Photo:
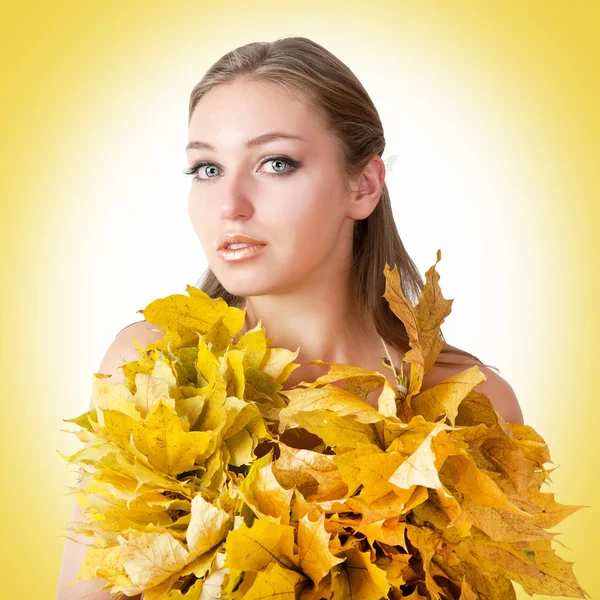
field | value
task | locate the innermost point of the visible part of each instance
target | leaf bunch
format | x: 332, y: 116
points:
x: 203, y: 478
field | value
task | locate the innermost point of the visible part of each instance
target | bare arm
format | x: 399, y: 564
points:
x: 122, y: 350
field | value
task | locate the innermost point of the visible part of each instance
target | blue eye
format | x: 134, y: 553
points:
x: 290, y: 162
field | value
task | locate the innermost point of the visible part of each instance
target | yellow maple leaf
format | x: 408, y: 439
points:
x: 358, y: 577
x: 314, y: 554
x: 167, y: 445
x: 150, y: 558
x: 255, y: 548
x: 208, y: 525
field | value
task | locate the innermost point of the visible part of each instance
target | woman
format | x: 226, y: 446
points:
x: 317, y: 203
x: 285, y: 148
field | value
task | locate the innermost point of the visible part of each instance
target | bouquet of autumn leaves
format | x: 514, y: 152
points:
x: 202, y: 478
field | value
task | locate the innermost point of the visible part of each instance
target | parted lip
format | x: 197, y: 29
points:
x: 236, y: 238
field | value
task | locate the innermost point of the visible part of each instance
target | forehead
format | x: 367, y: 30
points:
x: 232, y: 113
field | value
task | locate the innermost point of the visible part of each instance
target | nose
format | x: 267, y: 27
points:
x: 236, y: 197
x: 235, y: 207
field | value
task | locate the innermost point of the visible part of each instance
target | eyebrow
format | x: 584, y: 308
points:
x: 251, y: 143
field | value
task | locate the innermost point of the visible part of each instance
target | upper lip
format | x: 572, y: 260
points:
x: 236, y: 238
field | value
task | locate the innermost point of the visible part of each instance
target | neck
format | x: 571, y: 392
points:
x: 319, y: 321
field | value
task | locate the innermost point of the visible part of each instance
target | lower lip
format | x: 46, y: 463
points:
x: 241, y: 253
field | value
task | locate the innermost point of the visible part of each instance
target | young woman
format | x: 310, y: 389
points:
x: 285, y: 153
x: 285, y: 148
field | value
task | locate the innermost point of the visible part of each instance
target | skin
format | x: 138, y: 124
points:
x: 299, y: 284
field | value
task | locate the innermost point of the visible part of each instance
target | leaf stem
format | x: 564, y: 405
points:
x: 389, y: 358
x: 400, y: 380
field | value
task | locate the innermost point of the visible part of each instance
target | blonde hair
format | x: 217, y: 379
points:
x: 307, y: 71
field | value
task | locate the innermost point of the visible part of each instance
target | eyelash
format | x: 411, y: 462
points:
x: 193, y: 170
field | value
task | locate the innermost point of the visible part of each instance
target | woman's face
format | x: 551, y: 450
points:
x: 300, y: 211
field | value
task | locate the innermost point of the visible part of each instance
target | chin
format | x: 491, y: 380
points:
x: 237, y: 287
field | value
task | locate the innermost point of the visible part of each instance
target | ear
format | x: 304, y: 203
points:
x: 368, y: 190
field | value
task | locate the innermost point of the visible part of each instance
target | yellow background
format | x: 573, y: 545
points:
x: 94, y: 222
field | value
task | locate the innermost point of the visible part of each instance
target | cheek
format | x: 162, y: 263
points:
x: 200, y: 222
x: 308, y: 225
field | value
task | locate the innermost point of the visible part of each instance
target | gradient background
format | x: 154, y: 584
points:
x: 492, y: 124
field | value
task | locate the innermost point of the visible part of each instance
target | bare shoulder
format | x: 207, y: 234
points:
x: 122, y: 349
x: 496, y: 388
x: 143, y: 328
x: 142, y: 331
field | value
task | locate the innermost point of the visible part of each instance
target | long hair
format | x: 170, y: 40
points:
x: 307, y: 71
